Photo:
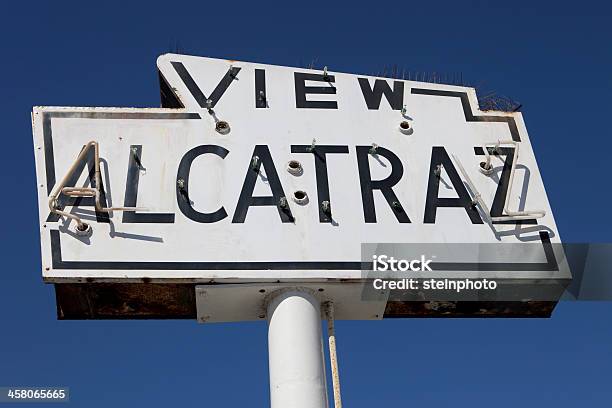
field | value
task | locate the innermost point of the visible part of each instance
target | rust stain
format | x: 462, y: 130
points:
x: 469, y: 309
x: 177, y: 301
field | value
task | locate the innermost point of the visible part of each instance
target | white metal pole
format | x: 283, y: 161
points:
x: 295, y: 351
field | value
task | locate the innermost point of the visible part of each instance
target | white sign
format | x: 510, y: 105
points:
x: 276, y: 173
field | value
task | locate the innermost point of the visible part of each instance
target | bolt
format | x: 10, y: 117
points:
x: 262, y: 96
x: 209, y: 104
x: 438, y: 170
x: 373, y: 149
x: 312, y: 145
x: 396, y: 206
x: 282, y: 203
x: 136, y: 158
x: 180, y: 183
x: 474, y: 201
x: 404, y: 110
x: 326, y: 207
x: 255, y: 163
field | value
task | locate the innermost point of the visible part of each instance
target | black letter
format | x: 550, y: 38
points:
x: 195, y: 90
x: 497, y: 208
x: 65, y: 201
x: 439, y: 157
x: 131, y: 193
x: 246, y: 195
x: 301, y: 90
x: 182, y: 184
x: 373, y: 97
x: 321, y: 173
x: 385, y: 186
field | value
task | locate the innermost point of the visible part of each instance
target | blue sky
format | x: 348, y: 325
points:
x: 553, y: 57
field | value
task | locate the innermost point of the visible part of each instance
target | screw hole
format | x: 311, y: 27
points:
x: 300, y: 197
x: 294, y: 167
x: 486, y: 170
x: 405, y: 127
x: 222, y: 127
x: 83, y: 230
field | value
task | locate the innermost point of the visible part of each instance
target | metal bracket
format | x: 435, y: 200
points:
x: 248, y: 301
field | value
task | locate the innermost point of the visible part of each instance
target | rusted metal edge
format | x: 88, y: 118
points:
x: 541, y: 309
x: 76, y: 301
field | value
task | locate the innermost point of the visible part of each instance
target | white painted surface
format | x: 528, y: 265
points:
x: 436, y: 121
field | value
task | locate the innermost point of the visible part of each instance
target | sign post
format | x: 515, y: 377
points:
x: 295, y: 350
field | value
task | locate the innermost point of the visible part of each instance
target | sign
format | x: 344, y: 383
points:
x: 269, y: 173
